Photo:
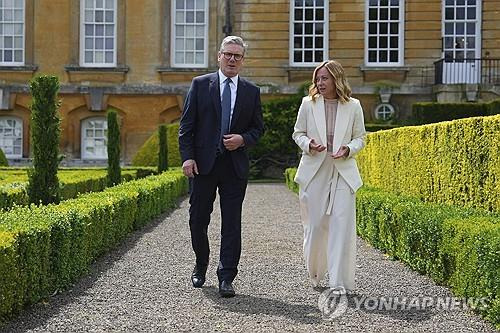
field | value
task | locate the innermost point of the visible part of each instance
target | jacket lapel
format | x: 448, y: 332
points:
x: 238, y: 103
x: 213, y: 91
x: 319, y: 118
x: 341, y: 124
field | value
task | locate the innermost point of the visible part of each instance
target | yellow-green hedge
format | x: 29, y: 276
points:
x: 147, y: 155
x: 72, y: 183
x: 455, y: 162
x: 45, y: 248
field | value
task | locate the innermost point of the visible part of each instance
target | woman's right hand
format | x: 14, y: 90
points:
x: 316, y: 147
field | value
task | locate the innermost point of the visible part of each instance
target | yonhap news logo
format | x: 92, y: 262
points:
x: 332, y: 305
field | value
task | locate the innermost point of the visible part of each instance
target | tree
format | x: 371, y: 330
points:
x: 114, y: 170
x: 43, y: 186
x: 3, y: 159
x: 163, y: 149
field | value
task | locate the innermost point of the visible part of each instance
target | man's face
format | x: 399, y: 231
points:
x: 231, y: 67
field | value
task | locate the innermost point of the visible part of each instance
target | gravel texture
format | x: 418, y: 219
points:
x: 144, y: 285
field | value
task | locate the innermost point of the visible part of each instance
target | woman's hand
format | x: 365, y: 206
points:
x: 316, y: 147
x: 343, y: 152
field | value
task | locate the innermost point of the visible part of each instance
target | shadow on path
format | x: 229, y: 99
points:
x: 253, y: 305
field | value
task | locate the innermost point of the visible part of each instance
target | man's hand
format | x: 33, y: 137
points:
x: 343, y: 152
x: 232, y: 141
x: 189, y: 168
x: 314, y: 146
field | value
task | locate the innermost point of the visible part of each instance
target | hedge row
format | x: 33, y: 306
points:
x: 44, y: 249
x: 433, y: 112
x: 147, y: 155
x: 457, y: 247
x: 72, y: 183
x: 455, y: 162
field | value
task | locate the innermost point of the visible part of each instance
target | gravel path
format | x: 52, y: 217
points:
x: 144, y: 286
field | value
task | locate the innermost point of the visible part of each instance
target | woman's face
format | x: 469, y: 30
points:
x: 325, y: 83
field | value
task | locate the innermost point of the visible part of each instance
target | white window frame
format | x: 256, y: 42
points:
x: 401, y: 38
x: 17, y: 121
x: 83, y: 63
x: 326, y: 15
x: 384, y: 105
x: 477, y: 33
x: 13, y: 36
x: 173, y: 30
x: 83, y: 128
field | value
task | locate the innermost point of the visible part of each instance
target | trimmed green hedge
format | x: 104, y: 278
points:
x: 147, y: 155
x: 455, y: 246
x: 379, y: 127
x: 433, y: 112
x: 455, y: 162
x: 44, y: 249
x: 72, y: 183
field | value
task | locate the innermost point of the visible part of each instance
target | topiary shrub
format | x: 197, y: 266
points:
x: 3, y: 159
x: 163, y: 149
x: 147, y: 155
x: 43, y: 185
x: 114, y: 170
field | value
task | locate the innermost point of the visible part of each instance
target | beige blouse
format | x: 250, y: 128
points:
x: 331, y: 117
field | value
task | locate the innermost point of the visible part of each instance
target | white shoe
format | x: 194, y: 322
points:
x: 314, y: 282
x: 338, y: 290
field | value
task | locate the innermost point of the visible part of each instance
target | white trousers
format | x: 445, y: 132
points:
x: 328, y: 211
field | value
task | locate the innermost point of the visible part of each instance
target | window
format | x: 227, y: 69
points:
x: 384, y: 111
x: 461, y: 29
x: 309, y: 32
x: 384, y: 32
x: 98, y: 33
x: 95, y: 138
x: 12, y: 32
x: 189, y: 33
x: 11, y: 137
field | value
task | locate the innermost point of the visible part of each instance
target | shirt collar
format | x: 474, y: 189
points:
x: 222, y: 78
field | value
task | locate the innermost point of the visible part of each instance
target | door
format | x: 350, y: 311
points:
x: 461, y: 41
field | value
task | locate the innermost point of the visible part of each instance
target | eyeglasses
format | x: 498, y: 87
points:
x: 229, y: 55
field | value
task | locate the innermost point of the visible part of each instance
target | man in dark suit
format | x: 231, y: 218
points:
x: 222, y: 117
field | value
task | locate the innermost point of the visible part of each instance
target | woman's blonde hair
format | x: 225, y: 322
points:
x: 341, y: 85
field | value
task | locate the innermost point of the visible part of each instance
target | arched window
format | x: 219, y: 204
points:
x: 384, y: 111
x: 11, y: 136
x: 95, y: 138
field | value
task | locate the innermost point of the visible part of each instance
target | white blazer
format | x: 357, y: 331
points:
x: 349, y: 131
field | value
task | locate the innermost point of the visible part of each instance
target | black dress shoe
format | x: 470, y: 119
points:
x: 226, y: 289
x: 198, y: 276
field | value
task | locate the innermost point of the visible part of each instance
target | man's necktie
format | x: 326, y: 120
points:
x: 226, y: 110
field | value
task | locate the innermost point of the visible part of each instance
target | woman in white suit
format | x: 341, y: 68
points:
x: 330, y: 131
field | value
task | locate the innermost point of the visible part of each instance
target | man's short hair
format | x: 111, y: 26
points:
x: 233, y: 40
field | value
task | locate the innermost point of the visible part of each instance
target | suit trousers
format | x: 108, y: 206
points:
x: 328, y: 214
x: 231, y: 193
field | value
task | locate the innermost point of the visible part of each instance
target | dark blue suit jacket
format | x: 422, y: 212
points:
x: 199, y: 130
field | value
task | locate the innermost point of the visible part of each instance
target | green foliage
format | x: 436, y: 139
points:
x: 289, y: 179
x: 114, y: 170
x: 46, y: 248
x: 45, y: 133
x: 432, y: 112
x: 73, y: 182
x: 276, y: 149
x: 147, y: 155
x: 163, y: 149
x: 3, y: 159
x: 457, y: 247
x: 454, y: 162
x: 379, y: 127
